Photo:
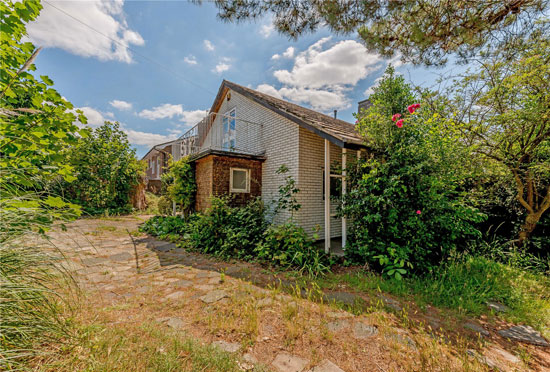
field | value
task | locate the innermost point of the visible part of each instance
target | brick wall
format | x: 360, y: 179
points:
x: 212, y: 174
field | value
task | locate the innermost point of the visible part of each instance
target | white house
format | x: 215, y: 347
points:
x: 248, y: 135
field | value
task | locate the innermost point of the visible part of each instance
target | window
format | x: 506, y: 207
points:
x: 239, y: 180
x: 335, y: 187
x: 229, y: 122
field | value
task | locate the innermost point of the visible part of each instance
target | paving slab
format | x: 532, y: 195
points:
x: 476, y: 328
x: 178, y: 295
x: 497, y: 306
x: 364, y: 331
x: 285, y: 362
x: 182, y: 283
x: 213, y: 296
x: 230, y: 347
x: 326, y: 366
x: 525, y: 334
x: 338, y: 325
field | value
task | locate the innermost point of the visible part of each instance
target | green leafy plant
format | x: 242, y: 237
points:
x: 289, y: 246
x: 180, y: 184
x: 287, y: 193
x: 106, y: 170
x: 405, y: 205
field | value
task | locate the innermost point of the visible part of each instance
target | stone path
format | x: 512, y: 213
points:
x: 185, y: 292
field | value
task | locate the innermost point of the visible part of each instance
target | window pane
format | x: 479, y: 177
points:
x: 239, y: 179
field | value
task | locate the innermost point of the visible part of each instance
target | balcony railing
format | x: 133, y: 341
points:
x: 223, y: 133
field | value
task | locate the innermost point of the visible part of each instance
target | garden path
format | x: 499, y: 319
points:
x: 215, y: 302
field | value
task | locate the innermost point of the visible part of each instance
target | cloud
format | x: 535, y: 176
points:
x: 95, y: 117
x: 339, y: 66
x: 208, y: 45
x: 163, y: 111
x: 323, y: 74
x: 55, y: 29
x: 121, y: 105
x: 222, y: 66
x: 191, y: 60
x: 168, y: 110
x: 289, y: 52
x: 148, y: 139
x: 193, y: 117
x: 269, y: 90
x: 267, y: 30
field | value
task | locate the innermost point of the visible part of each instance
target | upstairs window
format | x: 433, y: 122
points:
x: 239, y: 180
x: 229, y: 130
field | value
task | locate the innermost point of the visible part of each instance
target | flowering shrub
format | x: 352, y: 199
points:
x: 404, y: 203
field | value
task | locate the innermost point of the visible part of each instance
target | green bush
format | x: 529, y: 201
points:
x: 229, y: 231
x: 166, y: 227
x: 165, y: 205
x: 405, y: 205
x: 289, y: 246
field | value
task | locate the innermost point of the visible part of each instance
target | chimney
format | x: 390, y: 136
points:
x: 363, y: 105
x: 335, y: 113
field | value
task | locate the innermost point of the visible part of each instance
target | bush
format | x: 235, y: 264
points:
x: 165, y: 205
x: 106, y: 169
x: 289, y: 246
x: 229, y: 231
x: 169, y: 227
x: 405, y: 204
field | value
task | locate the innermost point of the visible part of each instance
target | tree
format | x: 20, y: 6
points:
x: 36, y: 124
x: 422, y: 31
x: 504, y: 108
x: 181, y: 186
x: 405, y: 203
x: 106, y: 170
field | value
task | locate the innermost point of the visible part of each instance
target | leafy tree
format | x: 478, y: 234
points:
x: 504, y: 108
x: 106, y: 169
x: 182, y: 186
x: 405, y: 205
x: 423, y: 31
x: 36, y: 124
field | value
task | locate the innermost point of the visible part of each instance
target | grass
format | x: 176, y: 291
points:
x: 143, y: 347
x: 465, y: 285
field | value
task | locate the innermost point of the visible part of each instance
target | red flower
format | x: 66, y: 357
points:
x: 399, y: 123
x: 356, y: 121
x: 419, y: 212
x: 413, y: 108
x: 395, y: 117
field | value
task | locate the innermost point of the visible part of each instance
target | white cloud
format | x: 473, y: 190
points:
x: 221, y: 67
x: 208, y: 45
x: 267, y: 30
x: 193, y: 117
x: 55, y: 29
x: 289, y: 52
x: 121, y: 105
x: 269, y: 90
x: 148, y: 139
x: 191, y: 60
x: 339, y: 66
x: 163, y: 111
x: 275, y: 56
x: 95, y: 117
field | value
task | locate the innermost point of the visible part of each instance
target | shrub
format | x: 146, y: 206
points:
x: 169, y: 227
x: 106, y: 169
x: 405, y: 205
x: 180, y: 184
x: 289, y: 246
x: 229, y: 231
x: 165, y: 205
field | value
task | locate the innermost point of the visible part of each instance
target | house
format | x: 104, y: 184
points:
x: 247, y: 135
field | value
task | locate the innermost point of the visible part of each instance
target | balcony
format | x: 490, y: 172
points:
x: 226, y: 133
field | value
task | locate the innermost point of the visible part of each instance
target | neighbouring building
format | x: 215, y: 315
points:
x: 247, y: 135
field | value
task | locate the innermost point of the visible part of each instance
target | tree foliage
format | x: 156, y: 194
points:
x: 106, y: 170
x: 181, y: 187
x: 504, y: 111
x: 424, y: 31
x: 405, y: 202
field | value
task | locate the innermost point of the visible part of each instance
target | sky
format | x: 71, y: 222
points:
x: 156, y: 66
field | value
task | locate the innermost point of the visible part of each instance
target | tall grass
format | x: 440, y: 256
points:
x: 31, y: 274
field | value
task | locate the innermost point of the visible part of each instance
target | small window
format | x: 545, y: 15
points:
x: 239, y: 180
x: 335, y: 187
x: 229, y: 130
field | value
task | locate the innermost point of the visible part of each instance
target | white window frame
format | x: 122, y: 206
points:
x: 243, y: 191
x: 231, y: 133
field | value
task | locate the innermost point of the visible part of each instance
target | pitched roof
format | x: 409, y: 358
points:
x: 337, y: 131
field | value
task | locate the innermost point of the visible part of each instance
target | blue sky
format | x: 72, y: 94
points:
x: 179, y: 55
